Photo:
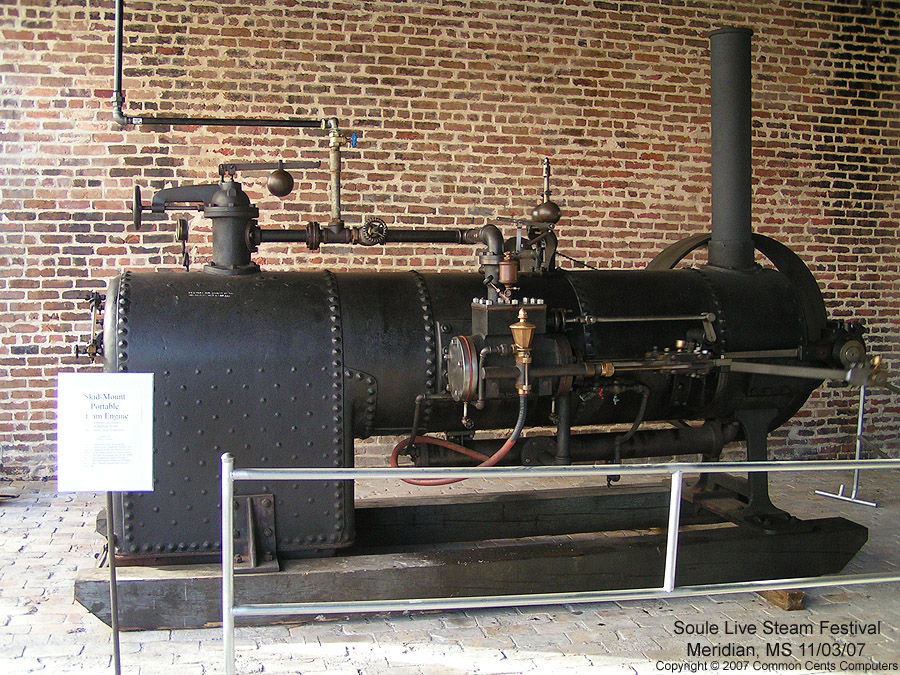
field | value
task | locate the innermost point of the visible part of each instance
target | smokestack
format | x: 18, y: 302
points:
x: 731, y: 245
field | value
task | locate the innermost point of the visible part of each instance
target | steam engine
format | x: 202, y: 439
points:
x: 287, y: 369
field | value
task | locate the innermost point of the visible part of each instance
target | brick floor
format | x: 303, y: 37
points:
x: 46, y: 537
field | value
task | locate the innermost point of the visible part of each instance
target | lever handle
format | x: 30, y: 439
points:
x: 184, y: 194
x: 164, y: 199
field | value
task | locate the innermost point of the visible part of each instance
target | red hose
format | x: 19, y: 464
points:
x: 485, y: 460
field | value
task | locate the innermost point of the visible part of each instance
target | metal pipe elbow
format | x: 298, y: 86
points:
x: 491, y: 237
x: 120, y: 119
x: 119, y: 116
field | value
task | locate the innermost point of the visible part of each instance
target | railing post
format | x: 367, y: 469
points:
x: 860, y: 440
x: 672, y: 536
x: 113, y: 583
x: 228, y: 562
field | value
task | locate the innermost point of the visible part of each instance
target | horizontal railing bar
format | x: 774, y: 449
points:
x: 543, y: 599
x: 669, y: 589
x: 563, y: 471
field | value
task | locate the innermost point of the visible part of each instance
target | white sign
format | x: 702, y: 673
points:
x: 104, y: 432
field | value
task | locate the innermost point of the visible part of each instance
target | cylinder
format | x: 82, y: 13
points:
x: 731, y: 246
x: 285, y: 369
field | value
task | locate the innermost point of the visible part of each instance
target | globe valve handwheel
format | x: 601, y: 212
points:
x: 373, y: 233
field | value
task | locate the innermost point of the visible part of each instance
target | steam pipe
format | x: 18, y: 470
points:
x: 468, y: 237
x: 628, y: 435
x: 288, y: 236
x: 563, y: 429
x: 731, y: 245
x: 488, y: 235
x: 215, y: 122
x: 491, y: 237
x: 417, y: 419
x: 425, y: 236
x: 336, y: 223
x: 125, y: 120
x: 118, y: 96
x: 707, y: 440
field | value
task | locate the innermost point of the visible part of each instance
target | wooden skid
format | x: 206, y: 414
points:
x: 189, y: 597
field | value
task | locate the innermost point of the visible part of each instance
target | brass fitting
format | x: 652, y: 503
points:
x: 509, y: 271
x: 607, y: 369
x: 878, y: 377
x: 523, y: 334
x: 336, y: 139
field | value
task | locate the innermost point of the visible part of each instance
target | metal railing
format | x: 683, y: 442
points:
x: 860, y: 442
x: 676, y: 471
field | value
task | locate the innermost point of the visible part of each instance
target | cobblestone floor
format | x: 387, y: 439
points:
x: 45, y: 538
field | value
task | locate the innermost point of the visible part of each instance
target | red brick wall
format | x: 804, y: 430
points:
x: 455, y: 103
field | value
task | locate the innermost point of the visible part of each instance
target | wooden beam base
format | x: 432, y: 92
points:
x: 789, y: 601
x: 431, y: 562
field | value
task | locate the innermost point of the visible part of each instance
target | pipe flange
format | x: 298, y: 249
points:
x: 313, y: 236
x: 254, y: 237
x: 462, y: 370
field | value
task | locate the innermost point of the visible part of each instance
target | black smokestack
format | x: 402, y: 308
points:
x: 731, y: 245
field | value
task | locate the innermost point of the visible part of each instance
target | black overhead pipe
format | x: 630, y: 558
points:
x: 126, y: 120
x: 731, y: 245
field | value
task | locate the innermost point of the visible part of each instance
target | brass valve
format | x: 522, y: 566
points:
x: 878, y: 377
x: 523, y: 334
x: 336, y: 139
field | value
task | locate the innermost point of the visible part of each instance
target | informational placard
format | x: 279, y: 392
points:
x: 105, y: 432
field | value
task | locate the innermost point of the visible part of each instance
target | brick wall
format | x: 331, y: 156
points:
x: 455, y: 102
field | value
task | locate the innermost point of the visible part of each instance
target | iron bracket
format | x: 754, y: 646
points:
x: 254, y: 534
